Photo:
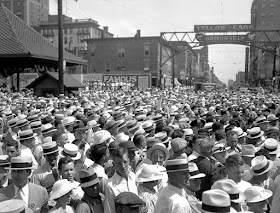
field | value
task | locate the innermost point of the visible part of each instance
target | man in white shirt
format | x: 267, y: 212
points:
x: 123, y: 179
x: 173, y: 198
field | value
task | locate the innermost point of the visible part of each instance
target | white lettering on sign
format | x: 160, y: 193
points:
x: 224, y: 28
x: 120, y: 78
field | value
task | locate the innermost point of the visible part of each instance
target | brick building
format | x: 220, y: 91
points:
x: 33, y: 12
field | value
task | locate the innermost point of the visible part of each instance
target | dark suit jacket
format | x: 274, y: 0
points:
x: 204, y: 166
x: 38, y: 197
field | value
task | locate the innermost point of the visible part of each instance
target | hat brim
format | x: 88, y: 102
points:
x: 24, y: 168
x: 199, y: 206
x: 265, y: 171
x: 53, y: 130
x: 276, y: 151
x: 21, y: 139
x: 200, y: 175
x: 258, y: 136
x: 47, y: 153
x: 155, y: 177
x: 60, y: 193
x: 60, y: 152
x: 241, y: 198
x: 156, y: 147
x: 135, y: 127
x: 90, y: 183
x: 242, y: 135
x: 264, y: 196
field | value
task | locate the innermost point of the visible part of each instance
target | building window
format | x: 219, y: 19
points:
x: 146, y: 64
x: 65, y: 40
x: 93, y: 67
x: 262, y: 23
x: 146, y: 50
x: 18, y: 14
x: 6, y: 4
x: 121, y: 53
x: 263, y: 5
x: 71, y: 40
x: 272, y: 5
x: 107, y: 65
x: 71, y: 30
x: 263, y: 14
x: 271, y: 23
x: 271, y: 14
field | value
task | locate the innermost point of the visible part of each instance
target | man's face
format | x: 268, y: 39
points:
x: 121, y: 165
x: 11, y: 151
x: 235, y: 173
x: 232, y: 140
x: 68, y: 171
x: 263, y: 126
x: 182, y: 178
x: 220, y: 156
x: 63, y: 140
x: 30, y: 143
x: 3, y: 174
x: 274, y: 135
x: 194, y: 184
x: 20, y: 177
x: 158, y: 156
x: 52, y: 158
x: 92, y: 191
x: 79, y: 134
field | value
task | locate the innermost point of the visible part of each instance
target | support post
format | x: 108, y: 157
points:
x: 160, y: 61
x: 18, y: 81
x: 173, y: 69
x: 60, y: 47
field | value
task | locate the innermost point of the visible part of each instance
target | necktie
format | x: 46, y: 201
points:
x: 19, y: 194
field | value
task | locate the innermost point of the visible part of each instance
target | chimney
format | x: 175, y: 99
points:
x: 138, y: 34
x: 106, y: 28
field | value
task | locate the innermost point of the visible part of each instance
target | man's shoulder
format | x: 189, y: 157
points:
x: 37, y: 187
x: 83, y: 207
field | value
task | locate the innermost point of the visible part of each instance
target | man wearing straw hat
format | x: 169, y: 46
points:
x: 173, y: 197
x: 35, y: 197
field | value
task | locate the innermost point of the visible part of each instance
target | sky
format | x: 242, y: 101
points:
x: 152, y: 17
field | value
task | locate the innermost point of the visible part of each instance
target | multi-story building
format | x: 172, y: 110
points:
x: 75, y: 31
x: 133, y: 59
x: 33, y: 12
x: 240, y: 79
x: 265, y: 15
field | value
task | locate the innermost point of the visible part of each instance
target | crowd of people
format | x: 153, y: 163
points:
x: 148, y: 151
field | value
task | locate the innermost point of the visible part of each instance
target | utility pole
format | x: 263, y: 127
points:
x: 60, y: 47
x: 173, y: 70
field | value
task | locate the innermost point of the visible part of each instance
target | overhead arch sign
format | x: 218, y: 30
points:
x: 224, y: 28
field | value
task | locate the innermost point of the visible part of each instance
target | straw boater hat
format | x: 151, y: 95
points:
x: 12, y: 122
x: 260, y: 120
x: 176, y: 165
x: 188, y: 132
x: 70, y: 150
x: 110, y: 124
x: 131, y: 125
x: 158, y: 146
x: 272, y: 146
x: 88, y: 177
x: 101, y: 136
x: 14, y: 206
x: 61, y: 188
x: 255, y: 194
x: 272, y: 117
x: 47, y: 128
x: 4, y: 160
x: 272, y: 129
x: 254, y: 132
x: 219, y: 147
x: 162, y: 136
x: 20, y: 163
x: 249, y: 150
x: 49, y: 147
x: 239, y: 132
x: 230, y: 187
x: 260, y: 165
x: 26, y: 134
x: 215, y: 200
x: 194, y: 172
x: 120, y: 124
x: 22, y: 122
x: 36, y: 125
x: 68, y: 120
x: 148, y: 173
x: 148, y: 125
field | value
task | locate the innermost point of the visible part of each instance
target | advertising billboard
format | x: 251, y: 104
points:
x: 139, y: 81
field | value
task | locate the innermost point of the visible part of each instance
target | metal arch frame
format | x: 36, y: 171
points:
x: 266, y: 40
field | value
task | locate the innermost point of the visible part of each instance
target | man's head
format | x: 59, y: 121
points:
x: 121, y: 161
x: 50, y: 151
x: 4, y: 162
x: 206, y: 146
x: 89, y: 182
x: 234, y: 168
x: 158, y: 154
x: 11, y: 148
x: 232, y: 138
x: 63, y: 139
x: 66, y: 168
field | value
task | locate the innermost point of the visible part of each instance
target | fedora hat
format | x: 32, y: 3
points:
x: 148, y: 173
x: 128, y: 199
x: 132, y: 124
x: 260, y: 120
x: 14, y: 206
x: 47, y: 128
x: 158, y: 118
x: 176, y: 165
x: 49, y: 147
x: 80, y: 126
x: 88, y: 177
x: 272, y: 117
x: 256, y: 194
x: 230, y: 187
x: 158, y: 146
x: 61, y: 188
x: 219, y: 147
x: 4, y: 160
x: 20, y: 163
x: 239, y: 132
x: 36, y: 125
x: 148, y: 125
x: 194, y: 172
x: 101, y: 136
x: 68, y: 120
x: 254, y: 132
x: 162, y: 136
x: 26, y: 134
x: 249, y: 150
x: 272, y: 146
x: 260, y: 165
x: 215, y: 200
x: 12, y: 122
x: 110, y: 124
x: 70, y: 150
x: 22, y: 122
